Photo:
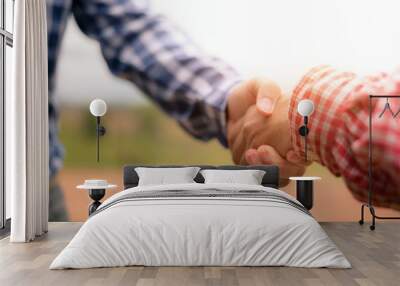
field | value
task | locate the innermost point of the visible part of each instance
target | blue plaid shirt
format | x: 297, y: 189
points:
x: 151, y: 52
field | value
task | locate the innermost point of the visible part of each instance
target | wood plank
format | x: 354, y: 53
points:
x: 375, y: 257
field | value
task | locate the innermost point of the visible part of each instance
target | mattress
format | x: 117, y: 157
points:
x: 201, y: 225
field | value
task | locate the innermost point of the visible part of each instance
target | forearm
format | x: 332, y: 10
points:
x: 338, y: 135
x: 186, y: 82
x: 149, y: 51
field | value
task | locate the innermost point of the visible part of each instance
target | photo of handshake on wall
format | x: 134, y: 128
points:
x: 253, y: 118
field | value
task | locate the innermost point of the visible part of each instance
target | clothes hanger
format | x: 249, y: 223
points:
x: 387, y: 106
x: 397, y: 113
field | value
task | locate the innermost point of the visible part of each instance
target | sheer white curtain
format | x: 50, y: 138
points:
x: 27, y: 124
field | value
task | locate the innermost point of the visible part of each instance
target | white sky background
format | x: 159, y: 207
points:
x: 277, y: 39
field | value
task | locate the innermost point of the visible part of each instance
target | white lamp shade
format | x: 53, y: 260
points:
x: 98, y: 107
x: 305, y: 107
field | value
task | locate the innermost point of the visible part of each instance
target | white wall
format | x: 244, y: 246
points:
x: 9, y: 8
x: 9, y: 66
x: 278, y: 39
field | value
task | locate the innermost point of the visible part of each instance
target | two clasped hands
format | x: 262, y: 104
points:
x: 258, y: 128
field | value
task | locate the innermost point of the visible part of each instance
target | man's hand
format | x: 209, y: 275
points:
x: 257, y: 115
x: 290, y: 166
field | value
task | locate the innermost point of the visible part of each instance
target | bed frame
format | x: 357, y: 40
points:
x: 270, y: 179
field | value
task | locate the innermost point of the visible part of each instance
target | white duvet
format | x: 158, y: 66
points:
x: 200, y: 231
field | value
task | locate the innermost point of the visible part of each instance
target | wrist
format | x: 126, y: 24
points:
x: 230, y: 100
x: 223, y: 116
x: 282, y: 125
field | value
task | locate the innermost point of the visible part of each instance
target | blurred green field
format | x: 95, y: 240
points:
x: 140, y: 134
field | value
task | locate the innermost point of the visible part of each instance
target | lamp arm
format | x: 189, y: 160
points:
x: 305, y: 149
x: 305, y: 138
x: 98, y: 137
x: 303, y: 131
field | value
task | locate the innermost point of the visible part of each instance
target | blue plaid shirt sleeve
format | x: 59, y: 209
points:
x: 58, y: 12
x: 151, y: 52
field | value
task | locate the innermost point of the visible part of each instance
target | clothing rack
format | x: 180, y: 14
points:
x: 370, y: 181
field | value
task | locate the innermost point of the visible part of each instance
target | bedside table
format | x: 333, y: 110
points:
x: 304, y: 190
x: 97, y: 190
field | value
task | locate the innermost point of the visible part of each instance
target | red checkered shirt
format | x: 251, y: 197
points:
x: 339, y: 132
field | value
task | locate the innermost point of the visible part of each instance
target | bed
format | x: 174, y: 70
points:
x: 201, y: 224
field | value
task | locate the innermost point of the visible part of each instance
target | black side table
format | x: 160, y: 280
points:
x: 97, y: 190
x: 305, y: 190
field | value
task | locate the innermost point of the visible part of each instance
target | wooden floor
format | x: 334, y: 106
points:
x: 375, y: 257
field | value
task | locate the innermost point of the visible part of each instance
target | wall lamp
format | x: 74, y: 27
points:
x: 305, y: 108
x: 98, y: 108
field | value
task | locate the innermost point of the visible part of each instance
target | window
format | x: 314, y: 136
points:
x: 6, y: 43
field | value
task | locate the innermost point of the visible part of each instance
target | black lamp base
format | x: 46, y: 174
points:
x: 96, y: 195
x: 305, y: 193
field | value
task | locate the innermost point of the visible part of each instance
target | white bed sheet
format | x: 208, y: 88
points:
x: 200, y: 231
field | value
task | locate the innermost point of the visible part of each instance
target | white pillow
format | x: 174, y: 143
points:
x: 163, y: 176
x: 248, y: 177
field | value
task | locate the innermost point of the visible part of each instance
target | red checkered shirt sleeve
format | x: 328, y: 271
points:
x: 339, y: 132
